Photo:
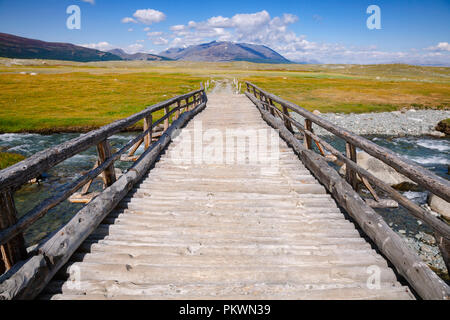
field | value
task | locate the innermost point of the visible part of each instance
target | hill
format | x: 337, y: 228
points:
x: 225, y: 51
x: 12, y: 46
x: 138, y: 56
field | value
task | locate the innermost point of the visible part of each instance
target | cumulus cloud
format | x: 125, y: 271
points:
x: 146, y: 29
x: 89, y: 1
x: 149, y: 16
x: 441, y: 46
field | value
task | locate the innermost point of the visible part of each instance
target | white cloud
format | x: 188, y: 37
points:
x: 441, y: 46
x: 160, y: 41
x: 134, y: 48
x: 149, y: 16
x: 146, y: 29
x: 89, y: 1
x: 128, y: 20
x: 130, y: 30
x: 102, y: 46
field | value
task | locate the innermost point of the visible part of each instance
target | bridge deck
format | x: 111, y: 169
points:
x: 226, y: 231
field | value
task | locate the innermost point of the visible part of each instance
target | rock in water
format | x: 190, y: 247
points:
x: 380, y: 170
x: 439, y: 205
x: 444, y: 127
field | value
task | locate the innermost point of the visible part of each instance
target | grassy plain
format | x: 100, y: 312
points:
x: 70, y: 96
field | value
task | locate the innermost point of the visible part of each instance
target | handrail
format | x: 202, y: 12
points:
x: 418, y: 274
x: 15, y: 176
x: 30, y: 168
x: 429, y: 180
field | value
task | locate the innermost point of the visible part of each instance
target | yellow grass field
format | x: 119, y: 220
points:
x: 70, y: 96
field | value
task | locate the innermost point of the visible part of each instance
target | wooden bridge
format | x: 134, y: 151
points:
x: 199, y: 216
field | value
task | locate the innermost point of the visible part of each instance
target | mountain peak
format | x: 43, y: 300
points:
x: 221, y: 51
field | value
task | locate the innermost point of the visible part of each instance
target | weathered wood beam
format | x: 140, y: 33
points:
x: 148, y: 121
x: 166, y: 121
x: 437, y: 225
x: 307, y: 139
x: 424, y: 281
x: 350, y: 174
x: 104, y: 152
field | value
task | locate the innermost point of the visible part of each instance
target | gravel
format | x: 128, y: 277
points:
x: 396, y: 123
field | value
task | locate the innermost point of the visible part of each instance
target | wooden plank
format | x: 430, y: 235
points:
x: 104, y: 152
x: 14, y: 250
x: 424, y: 281
x: 432, y: 182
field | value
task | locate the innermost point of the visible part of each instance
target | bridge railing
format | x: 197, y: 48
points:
x: 278, y: 112
x: 177, y: 110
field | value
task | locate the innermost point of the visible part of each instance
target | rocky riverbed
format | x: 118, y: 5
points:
x: 396, y: 123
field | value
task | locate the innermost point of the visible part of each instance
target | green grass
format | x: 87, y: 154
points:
x: 69, y: 96
x: 346, y: 95
x: 82, y: 101
x: 8, y: 159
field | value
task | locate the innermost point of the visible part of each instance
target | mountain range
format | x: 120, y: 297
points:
x: 138, y: 56
x: 225, y: 51
x: 12, y: 46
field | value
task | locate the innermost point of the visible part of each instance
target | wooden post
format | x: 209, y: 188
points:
x: 177, y: 113
x: 307, y: 139
x: 148, y: 121
x: 14, y: 250
x: 166, y: 122
x: 187, y: 105
x: 104, y: 152
x: 287, y: 123
x: 248, y: 87
x: 349, y: 173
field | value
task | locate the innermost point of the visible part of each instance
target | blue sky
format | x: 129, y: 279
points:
x: 327, y: 31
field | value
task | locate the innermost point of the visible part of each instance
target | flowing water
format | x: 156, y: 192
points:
x: 434, y: 154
